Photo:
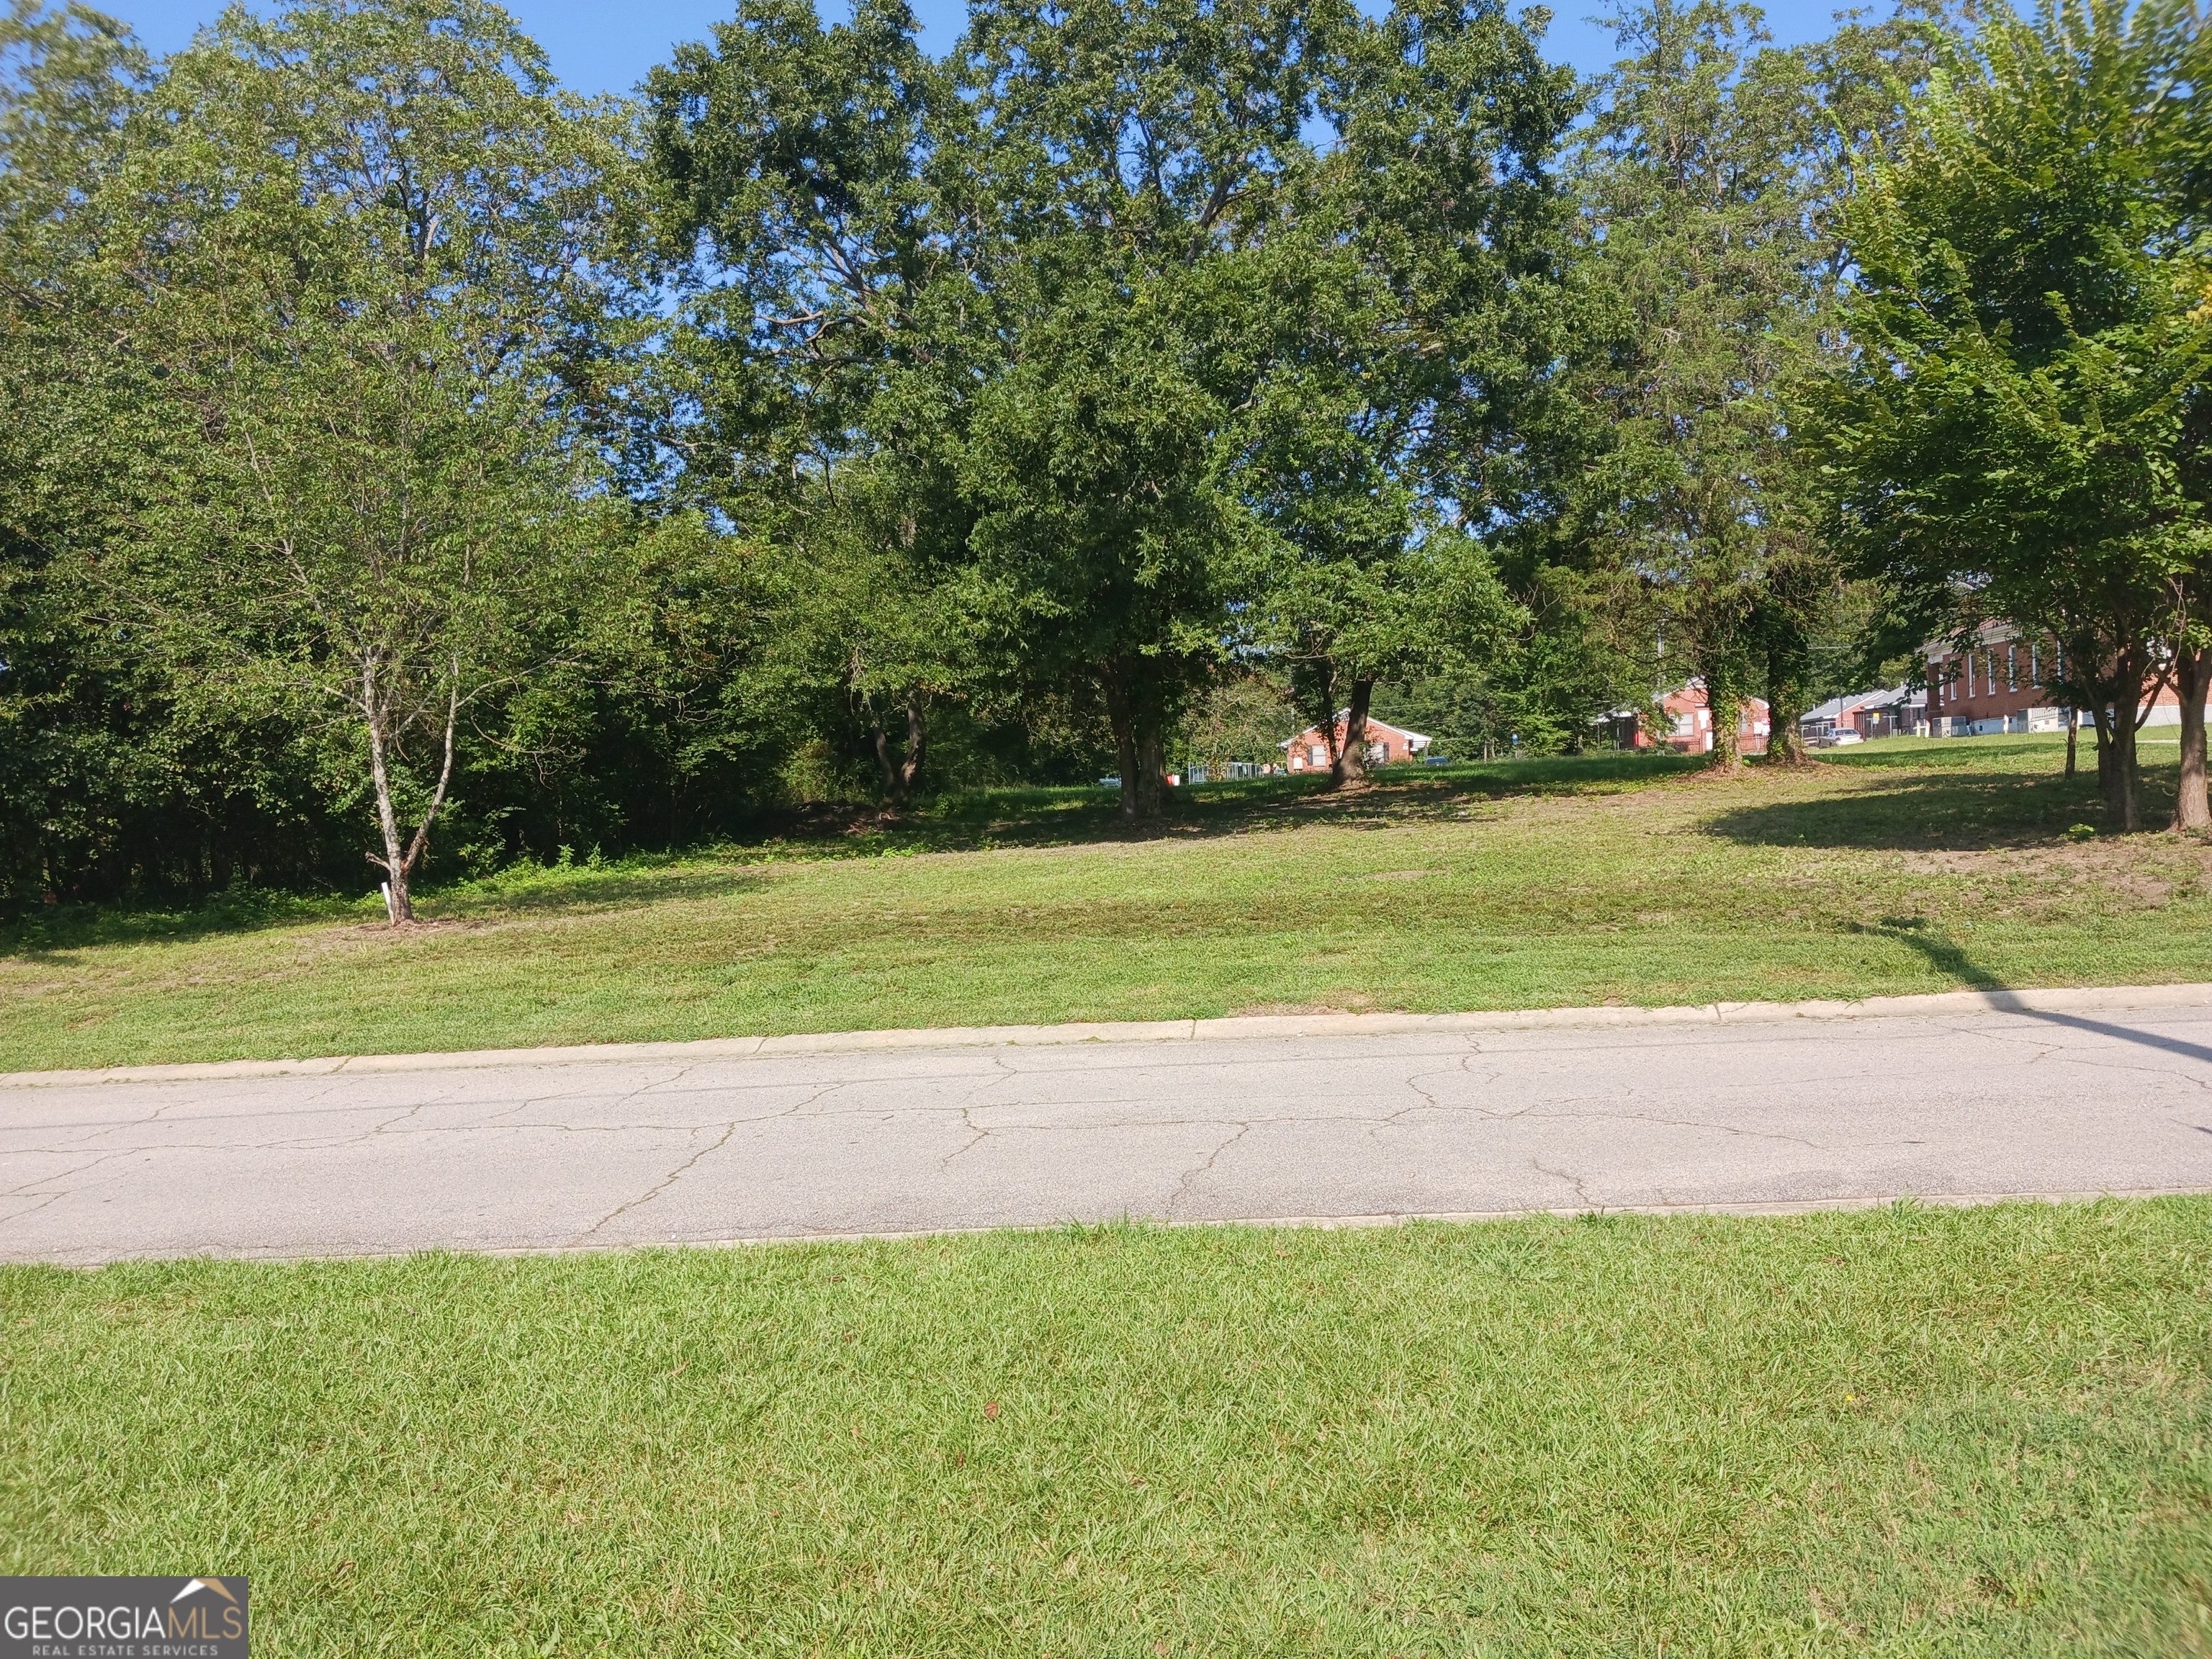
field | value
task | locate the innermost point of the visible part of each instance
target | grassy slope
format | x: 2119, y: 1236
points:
x: 1903, y: 866
x: 1900, y: 1432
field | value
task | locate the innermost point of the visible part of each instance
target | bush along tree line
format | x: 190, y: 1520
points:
x: 411, y: 465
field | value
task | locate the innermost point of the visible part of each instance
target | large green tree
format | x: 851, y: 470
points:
x: 1700, y: 312
x: 71, y: 755
x: 1413, y: 294
x: 818, y: 379
x: 2006, y: 442
x: 1129, y: 161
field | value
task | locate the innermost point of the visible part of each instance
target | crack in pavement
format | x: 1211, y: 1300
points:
x: 978, y: 1134
x: 1183, y: 1186
x: 38, y: 1182
x: 662, y: 1186
x: 1507, y: 1122
x: 1573, y: 1181
x: 729, y: 1129
x: 967, y: 1112
x: 54, y: 1197
x: 1675, y: 1123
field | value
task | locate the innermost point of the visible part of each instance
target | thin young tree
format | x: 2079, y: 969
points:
x: 356, y: 267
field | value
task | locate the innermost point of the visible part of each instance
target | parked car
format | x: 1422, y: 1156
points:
x: 1840, y: 736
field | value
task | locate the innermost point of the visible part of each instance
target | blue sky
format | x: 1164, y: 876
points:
x: 600, y: 47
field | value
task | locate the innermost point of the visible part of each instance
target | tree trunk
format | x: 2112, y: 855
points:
x: 2073, y: 734
x: 1151, y: 744
x: 1140, y: 739
x: 1781, y: 620
x: 2126, y: 799
x: 2116, y: 760
x: 901, y: 769
x: 1725, y: 708
x: 398, y: 863
x: 2192, y: 678
x: 1351, y: 757
x: 399, y: 907
x: 1785, y: 706
x: 1788, y: 657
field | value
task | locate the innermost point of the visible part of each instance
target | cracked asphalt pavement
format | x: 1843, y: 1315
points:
x: 576, y: 1153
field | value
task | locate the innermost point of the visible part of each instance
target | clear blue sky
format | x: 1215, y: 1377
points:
x: 598, y: 46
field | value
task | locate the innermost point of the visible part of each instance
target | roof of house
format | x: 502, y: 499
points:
x: 1694, y: 692
x: 1344, y: 714
x: 1836, y: 707
x: 1987, y: 634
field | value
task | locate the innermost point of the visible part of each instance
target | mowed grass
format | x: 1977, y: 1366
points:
x: 1906, y: 865
x: 1904, y: 1431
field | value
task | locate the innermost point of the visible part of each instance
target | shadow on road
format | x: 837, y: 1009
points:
x: 1945, y: 955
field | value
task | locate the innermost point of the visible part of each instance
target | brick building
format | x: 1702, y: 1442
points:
x: 2001, y: 685
x: 1886, y: 714
x: 1689, y: 729
x: 1387, y: 745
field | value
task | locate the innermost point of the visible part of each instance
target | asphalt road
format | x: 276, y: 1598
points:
x: 1225, y: 1120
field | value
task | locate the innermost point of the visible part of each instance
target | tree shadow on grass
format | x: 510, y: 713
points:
x: 624, y: 887
x: 63, y: 929
x: 43, y: 934
x: 1397, y: 794
x: 967, y: 822
x: 1959, y: 811
x: 1945, y: 955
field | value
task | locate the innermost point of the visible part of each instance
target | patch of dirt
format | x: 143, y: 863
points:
x: 1345, y: 1003
x: 2152, y: 891
x: 2118, y: 859
x: 414, y: 929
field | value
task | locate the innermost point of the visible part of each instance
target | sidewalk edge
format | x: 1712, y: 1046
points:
x: 2060, y: 1000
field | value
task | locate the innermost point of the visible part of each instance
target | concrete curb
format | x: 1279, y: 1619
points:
x: 1377, y: 1221
x: 2078, y: 1001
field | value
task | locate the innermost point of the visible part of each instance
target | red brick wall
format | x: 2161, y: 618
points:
x: 1397, y: 747
x: 1991, y: 681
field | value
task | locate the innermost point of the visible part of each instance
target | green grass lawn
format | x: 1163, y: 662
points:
x: 1904, y: 866
x: 1904, y: 1432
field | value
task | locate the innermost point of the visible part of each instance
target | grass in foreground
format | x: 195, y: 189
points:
x: 1902, y: 1432
x: 1901, y: 866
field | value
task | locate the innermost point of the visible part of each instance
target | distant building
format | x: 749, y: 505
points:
x: 1387, y: 745
x: 1898, y: 712
x: 1999, y: 684
x: 1689, y: 723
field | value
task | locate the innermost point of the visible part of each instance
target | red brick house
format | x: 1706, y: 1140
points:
x: 1387, y: 745
x: 1689, y: 729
